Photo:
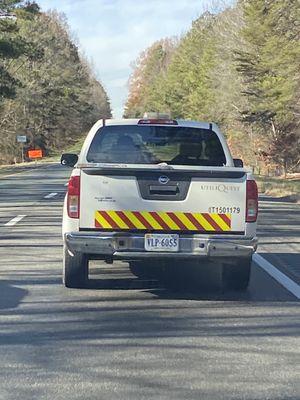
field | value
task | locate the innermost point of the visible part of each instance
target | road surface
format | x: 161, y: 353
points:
x: 129, y: 338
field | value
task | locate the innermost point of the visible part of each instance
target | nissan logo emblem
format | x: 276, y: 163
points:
x: 163, y: 180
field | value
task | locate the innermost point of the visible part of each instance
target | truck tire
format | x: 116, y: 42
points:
x: 236, y: 276
x: 75, y: 269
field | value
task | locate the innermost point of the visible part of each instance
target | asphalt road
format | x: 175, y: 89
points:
x: 132, y: 338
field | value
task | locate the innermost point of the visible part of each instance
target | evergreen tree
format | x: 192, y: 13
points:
x: 56, y: 97
x: 189, y: 80
x: 144, y: 93
x: 270, y: 67
x: 239, y: 68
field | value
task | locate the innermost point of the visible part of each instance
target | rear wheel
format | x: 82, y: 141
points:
x: 75, y: 269
x: 236, y: 276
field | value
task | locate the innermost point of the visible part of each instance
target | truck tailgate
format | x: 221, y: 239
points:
x: 207, y: 201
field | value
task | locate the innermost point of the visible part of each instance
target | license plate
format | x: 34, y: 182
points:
x: 160, y: 242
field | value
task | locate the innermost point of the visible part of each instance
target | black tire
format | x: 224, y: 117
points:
x: 75, y: 269
x: 236, y: 276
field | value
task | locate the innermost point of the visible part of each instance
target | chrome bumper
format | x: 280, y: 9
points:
x: 128, y: 246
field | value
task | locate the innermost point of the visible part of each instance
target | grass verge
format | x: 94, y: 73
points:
x: 279, y: 187
x: 54, y: 157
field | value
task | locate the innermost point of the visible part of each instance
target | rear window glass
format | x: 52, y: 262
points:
x: 134, y: 144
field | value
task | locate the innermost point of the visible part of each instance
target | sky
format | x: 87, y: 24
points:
x: 112, y: 33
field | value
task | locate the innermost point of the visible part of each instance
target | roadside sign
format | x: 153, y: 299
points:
x: 35, y: 154
x: 21, y: 139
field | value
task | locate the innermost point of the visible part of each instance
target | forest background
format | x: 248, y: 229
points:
x: 48, y: 91
x: 239, y: 68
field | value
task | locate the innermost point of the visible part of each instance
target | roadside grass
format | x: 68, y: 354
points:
x: 16, y: 168
x: 74, y: 148
x: 278, y: 186
x: 52, y: 158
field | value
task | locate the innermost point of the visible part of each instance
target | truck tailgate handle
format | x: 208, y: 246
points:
x: 164, y: 190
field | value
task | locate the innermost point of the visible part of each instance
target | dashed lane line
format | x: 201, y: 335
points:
x: 15, y: 220
x: 280, y: 277
x: 50, y: 195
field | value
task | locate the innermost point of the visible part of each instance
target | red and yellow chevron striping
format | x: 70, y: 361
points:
x: 162, y: 221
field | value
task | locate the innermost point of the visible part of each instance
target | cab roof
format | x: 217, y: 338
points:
x: 180, y: 123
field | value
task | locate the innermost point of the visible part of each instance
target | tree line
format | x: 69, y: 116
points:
x: 48, y: 91
x: 239, y: 68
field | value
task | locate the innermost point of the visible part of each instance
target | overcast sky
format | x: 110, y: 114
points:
x: 112, y: 33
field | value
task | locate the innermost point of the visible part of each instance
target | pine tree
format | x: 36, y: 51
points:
x: 270, y: 69
x: 145, y: 93
x: 12, y: 45
x: 56, y: 97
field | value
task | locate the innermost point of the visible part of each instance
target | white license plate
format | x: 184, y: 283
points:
x: 161, y: 242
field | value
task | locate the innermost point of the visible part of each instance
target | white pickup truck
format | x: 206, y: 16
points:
x: 158, y: 190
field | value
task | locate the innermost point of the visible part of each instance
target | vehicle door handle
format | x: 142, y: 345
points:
x: 164, y: 190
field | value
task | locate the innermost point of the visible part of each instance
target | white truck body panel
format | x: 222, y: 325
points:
x: 121, y: 193
x: 118, y: 193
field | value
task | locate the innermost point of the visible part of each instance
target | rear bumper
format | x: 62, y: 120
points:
x: 131, y: 246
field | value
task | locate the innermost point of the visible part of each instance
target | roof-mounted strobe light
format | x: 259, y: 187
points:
x: 156, y: 118
x: 156, y: 115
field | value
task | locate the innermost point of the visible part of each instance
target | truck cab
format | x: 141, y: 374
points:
x: 155, y: 189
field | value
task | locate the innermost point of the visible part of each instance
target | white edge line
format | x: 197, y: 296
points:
x: 50, y: 195
x: 280, y: 277
x: 15, y: 220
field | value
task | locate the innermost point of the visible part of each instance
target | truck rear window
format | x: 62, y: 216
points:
x: 134, y: 144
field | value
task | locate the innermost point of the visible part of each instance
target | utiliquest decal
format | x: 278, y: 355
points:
x: 221, y: 188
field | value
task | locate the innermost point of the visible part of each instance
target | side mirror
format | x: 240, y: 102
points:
x: 69, y: 159
x: 238, y: 163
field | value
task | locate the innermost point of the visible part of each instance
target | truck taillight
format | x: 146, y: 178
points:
x: 251, y: 202
x: 73, y: 200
